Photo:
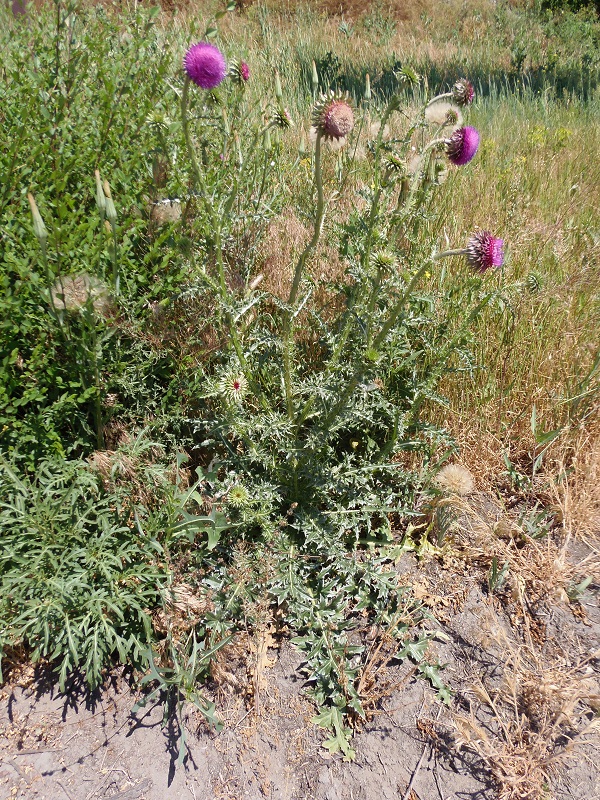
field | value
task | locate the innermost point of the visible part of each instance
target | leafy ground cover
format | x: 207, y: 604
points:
x: 261, y: 314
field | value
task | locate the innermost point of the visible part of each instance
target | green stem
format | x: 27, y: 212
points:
x: 197, y: 173
x: 288, y: 326
x: 115, y: 269
x: 377, y: 342
x: 446, y: 253
x: 438, y: 97
x: 213, y: 214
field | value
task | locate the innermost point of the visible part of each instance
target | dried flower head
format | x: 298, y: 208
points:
x: 456, y: 480
x: 234, y: 386
x: 239, y: 71
x: 463, y: 92
x: 70, y: 293
x: 443, y: 113
x: 332, y: 116
x: 205, y: 65
x: 484, y: 251
x: 462, y: 145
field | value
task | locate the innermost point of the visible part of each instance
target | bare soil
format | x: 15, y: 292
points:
x: 526, y: 703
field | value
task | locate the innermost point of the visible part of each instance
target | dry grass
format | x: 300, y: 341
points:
x: 524, y: 731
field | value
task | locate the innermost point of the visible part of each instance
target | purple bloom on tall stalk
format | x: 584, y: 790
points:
x: 462, y: 145
x: 205, y: 65
x: 484, y: 251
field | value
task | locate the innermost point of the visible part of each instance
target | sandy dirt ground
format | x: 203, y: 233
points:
x: 413, y: 746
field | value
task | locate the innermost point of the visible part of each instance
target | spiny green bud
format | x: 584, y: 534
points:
x: 395, y: 164
x: 238, y: 150
x: 282, y: 118
x: 278, y: 91
x: 267, y: 140
x: 315, y: 78
x: 408, y: 76
x: 367, y: 88
x: 302, y: 147
x: 111, y: 211
x: 38, y: 223
x: 100, y: 198
x: 239, y: 496
x: 384, y: 260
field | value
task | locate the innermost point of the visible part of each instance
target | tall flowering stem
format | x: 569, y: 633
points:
x: 374, y: 347
x: 200, y: 183
x: 379, y: 181
x: 288, y: 328
x: 198, y: 175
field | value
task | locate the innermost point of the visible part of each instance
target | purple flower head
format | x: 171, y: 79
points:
x: 18, y: 8
x: 205, y: 65
x: 484, y: 251
x: 462, y: 145
x: 239, y: 71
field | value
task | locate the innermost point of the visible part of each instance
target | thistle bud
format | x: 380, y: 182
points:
x: 38, y: 223
x: 278, y: 91
x: 267, y: 140
x: 315, y: 78
x: 111, y: 211
x: 100, y: 198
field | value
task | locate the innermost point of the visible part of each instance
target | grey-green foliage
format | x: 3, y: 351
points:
x: 76, y: 584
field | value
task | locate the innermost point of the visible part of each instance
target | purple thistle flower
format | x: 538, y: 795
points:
x: 462, y: 145
x: 18, y: 8
x: 244, y: 71
x: 484, y: 251
x: 205, y: 65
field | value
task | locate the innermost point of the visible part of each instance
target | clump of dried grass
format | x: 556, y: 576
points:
x: 523, y: 731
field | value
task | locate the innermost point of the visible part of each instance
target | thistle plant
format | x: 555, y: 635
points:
x: 306, y: 437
